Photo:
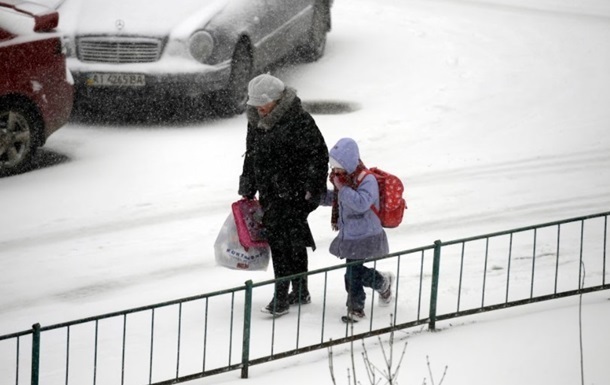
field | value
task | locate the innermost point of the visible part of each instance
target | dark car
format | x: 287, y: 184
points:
x: 36, y: 91
x: 129, y: 51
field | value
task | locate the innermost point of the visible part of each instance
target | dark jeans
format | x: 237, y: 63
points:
x: 357, y: 277
x: 287, y: 260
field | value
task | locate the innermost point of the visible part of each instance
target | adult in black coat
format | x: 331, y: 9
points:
x: 286, y: 162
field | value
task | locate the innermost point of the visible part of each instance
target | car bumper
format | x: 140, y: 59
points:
x: 56, y: 106
x: 161, y: 80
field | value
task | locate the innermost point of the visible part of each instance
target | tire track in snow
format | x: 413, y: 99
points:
x: 117, y: 226
x: 567, y: 166
x: 549, y: 209
x: 84, y: 293
x: 544, y: 164
x: 527, y: 7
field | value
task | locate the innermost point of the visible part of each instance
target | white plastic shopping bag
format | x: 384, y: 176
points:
x: 231, y: 254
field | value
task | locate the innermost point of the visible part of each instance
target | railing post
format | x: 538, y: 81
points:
x: 436, y: 265
x: 35, y: 353
x: 245, y: 351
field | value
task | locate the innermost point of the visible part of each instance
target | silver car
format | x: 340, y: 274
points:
x: 127, y: 50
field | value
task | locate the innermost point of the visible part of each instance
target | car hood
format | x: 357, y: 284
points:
x: 129, y: 17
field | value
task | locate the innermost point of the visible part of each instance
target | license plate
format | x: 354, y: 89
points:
x: 116, y: 80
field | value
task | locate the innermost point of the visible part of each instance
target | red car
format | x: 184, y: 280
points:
x: 36, y: 89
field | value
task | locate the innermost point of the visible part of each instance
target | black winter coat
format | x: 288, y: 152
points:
x: 286, y: 157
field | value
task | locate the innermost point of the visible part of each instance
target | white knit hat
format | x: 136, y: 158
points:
x: 264, y: 89
x: 334, y: 163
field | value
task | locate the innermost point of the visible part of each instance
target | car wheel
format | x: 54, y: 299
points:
x: 18, y: 129
x: 316, y: 42
x: 232, y: 100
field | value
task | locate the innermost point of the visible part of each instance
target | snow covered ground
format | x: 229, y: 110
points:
x: 494, y: 112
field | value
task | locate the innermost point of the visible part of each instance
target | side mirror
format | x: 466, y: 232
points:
x: 46, y: 22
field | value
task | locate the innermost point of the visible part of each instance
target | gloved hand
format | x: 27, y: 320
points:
x: 339, y: 179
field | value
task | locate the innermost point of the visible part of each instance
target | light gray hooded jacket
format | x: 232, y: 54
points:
x: 360, y: 232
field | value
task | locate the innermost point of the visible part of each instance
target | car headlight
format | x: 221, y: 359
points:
x: 201, y: 45
x: 67, y: 46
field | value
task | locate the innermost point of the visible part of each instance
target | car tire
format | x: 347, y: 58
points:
x: 232, y: 100
x: 20, y: 126
x: 316, y: 39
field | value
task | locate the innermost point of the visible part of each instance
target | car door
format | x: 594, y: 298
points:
x: 287, y: 26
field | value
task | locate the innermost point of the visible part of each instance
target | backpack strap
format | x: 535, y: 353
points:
x: 359, y: 180
x: 362, y: 175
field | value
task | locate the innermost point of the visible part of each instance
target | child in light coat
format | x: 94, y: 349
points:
x: 361, y: 235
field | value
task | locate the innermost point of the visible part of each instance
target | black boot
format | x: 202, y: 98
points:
x: 279, y: 304
x: 276, y: 308
x: 299, y: 293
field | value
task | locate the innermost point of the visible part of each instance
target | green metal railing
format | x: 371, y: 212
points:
x: 209, y: 334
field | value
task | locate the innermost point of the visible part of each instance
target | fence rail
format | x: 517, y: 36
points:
x: 171, y: 342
